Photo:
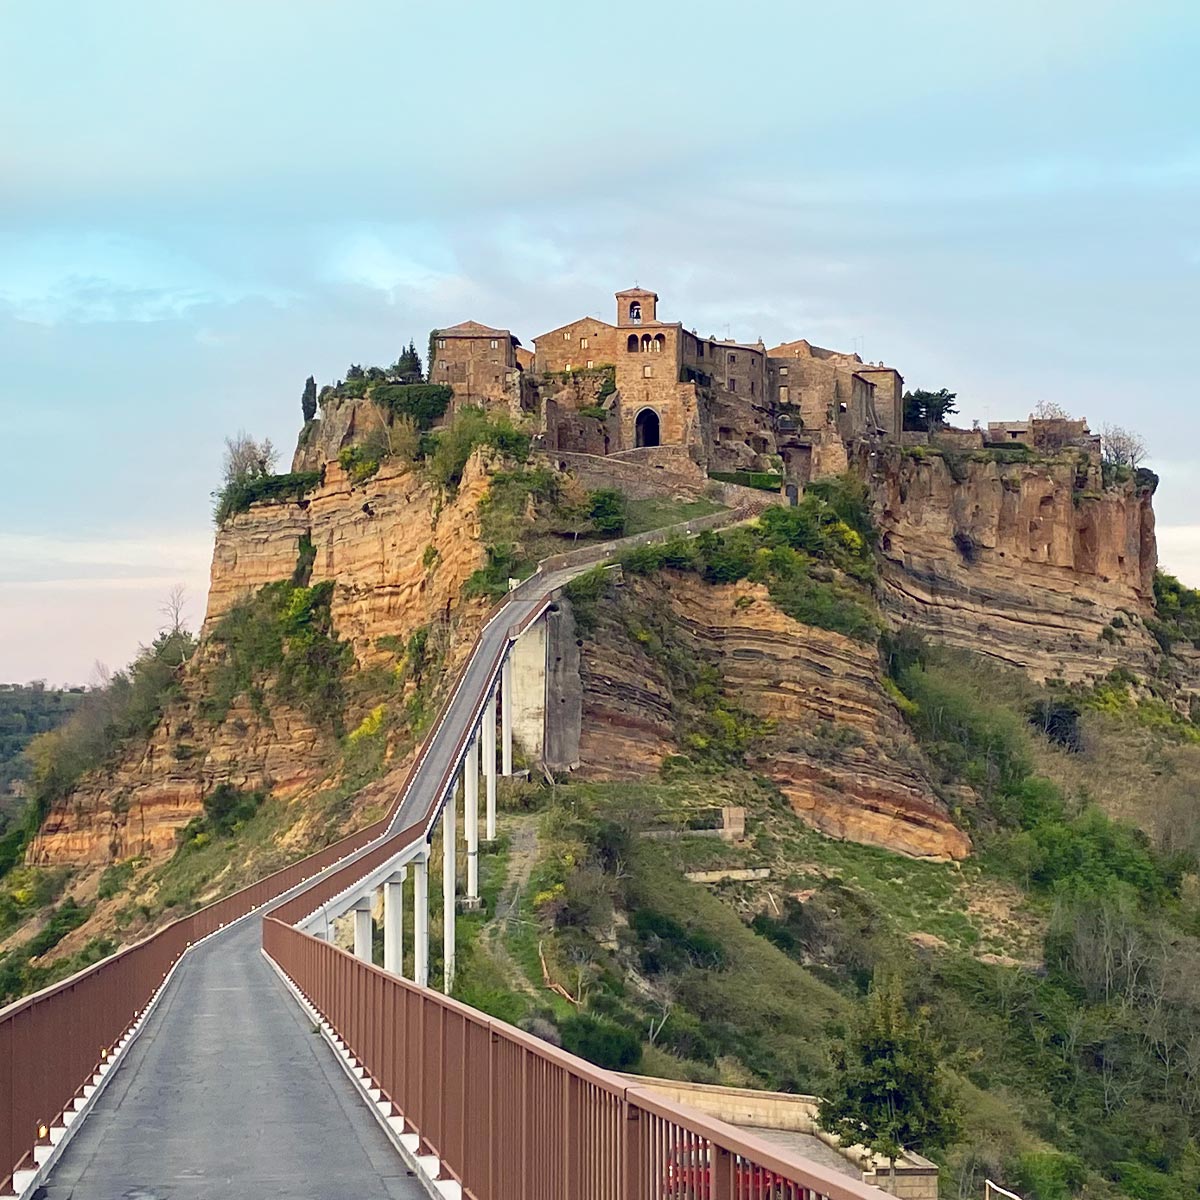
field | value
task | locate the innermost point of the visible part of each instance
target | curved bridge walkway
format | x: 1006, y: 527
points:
x: 229, y: 1092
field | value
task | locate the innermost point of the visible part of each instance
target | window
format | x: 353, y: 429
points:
x: 495, y: 344
x: 647, y: 372
x: 589, y: 366
x: 635, y: 313
x: 732, y: 359
x: 442, y: 363
x: 659, y: 342
x: 633, y: 345
x: 733, y: 385
x: 783, y: 370
x: 567, y: 336
x: 783, y: 394
x: 583, y: 342
x: 441, y: 343
x: 699, y: 349
x: 752, y: 387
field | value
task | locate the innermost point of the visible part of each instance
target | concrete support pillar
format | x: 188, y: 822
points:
x: 363, y: 930
x: 449, y: 862
x: 471, y: 815
x: 421, y: 920
x: 489, y: 763
x: 393, y: 923
x: 506, y: 715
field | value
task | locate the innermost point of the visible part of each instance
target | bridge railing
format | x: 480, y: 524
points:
x: 507, y: 1114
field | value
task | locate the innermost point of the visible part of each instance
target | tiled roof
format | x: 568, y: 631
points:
x: 472, y: 329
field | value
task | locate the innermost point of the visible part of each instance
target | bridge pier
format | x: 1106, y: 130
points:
x: 471, y: 816
x: 506, y: 716
x: 421, y: 919
x: 364, y: 929
x: 449, y: 863
x: 393, y: 922
x: 489, y: 763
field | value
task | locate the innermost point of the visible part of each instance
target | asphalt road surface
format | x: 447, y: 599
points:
x: 229, y: 1093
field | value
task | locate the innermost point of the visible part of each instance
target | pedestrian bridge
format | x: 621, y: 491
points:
x: 239, y: 1053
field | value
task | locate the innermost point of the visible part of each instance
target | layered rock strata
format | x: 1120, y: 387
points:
x: 838, y: 749
x: 1035, y: 564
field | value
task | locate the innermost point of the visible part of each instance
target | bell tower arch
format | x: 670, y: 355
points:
x: 637, y: 306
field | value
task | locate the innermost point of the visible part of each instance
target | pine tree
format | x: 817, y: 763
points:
x: 888, y: 1092
x: 408, y: 365
x: 308, y: 401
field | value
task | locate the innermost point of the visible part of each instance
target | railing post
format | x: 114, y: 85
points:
x: 506, y: 715
x: 631, y: 1134
x: 471, y: 815
x: 449, y: 863
x: 421, y: 919
x: 393, y: 923
x: 489, y: 763
x: 723, y: 1167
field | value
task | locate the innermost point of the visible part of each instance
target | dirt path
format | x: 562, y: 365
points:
x: 522, y: 854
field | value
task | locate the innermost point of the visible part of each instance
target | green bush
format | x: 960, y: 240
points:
x: 764, y: 481
x: 286, y: 632
x: 601, y: 1041
x: 447, y: 450
x: 115, y: 879
x: 608, y: 511
x: 491, y: 581
x: 238, y: 495
x: 359, y: 463
x: 425, y: 403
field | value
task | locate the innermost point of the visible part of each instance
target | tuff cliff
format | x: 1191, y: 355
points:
x: 1038, y: 564
x: 830, y: 736
x: 398, y: 553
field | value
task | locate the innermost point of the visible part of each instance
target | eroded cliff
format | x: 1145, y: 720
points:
x: 1033, y: 563
x: 830, y: 736
x: 397, y: 553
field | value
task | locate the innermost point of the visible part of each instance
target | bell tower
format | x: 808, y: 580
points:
x: 637, y: 306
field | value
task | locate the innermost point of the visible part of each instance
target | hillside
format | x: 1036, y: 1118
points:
x: 947, y: 692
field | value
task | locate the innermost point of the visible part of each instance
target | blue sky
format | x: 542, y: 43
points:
x: 202, y: 203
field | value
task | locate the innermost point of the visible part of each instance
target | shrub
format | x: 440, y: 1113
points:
x: 238, y: 495
x: 424, y: 403
x: 608, y: 512
x: 451, y: 447
x: 601, y: 1041
x: 762, y: 480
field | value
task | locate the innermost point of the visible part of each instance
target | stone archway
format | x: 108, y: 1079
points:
x: 647, y: 431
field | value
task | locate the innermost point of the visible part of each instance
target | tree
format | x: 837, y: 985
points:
x: 888, y: 1092
x: 408, y: 365
x: 1050, y: 410
x: 247, y: 459
x: 1122, y: 447
x: 308, y: 401
x: 927, y: 411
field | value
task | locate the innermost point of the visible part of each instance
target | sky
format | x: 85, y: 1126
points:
x: 203, y: 203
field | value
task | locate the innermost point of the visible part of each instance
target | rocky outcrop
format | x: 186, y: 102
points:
x: 1036, y: 564
x: 838, y: 748
x: 398, y: 554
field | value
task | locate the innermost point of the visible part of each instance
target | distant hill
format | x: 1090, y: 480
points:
x: 27, y: 709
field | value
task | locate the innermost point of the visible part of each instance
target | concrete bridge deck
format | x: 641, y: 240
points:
x: 228, y: 1093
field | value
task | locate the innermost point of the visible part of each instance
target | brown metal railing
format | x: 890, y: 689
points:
x: 509, y: 1115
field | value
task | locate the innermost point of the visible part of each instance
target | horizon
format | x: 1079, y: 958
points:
x: 1011, y: 217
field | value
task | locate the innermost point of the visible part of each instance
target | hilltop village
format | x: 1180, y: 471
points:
x: 627, y: 389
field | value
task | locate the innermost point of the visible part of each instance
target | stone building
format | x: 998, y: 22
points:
x: 481, y: 364
x: 734, y: 405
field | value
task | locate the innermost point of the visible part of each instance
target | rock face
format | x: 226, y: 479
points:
x: 398, y: 557
x: 1032, y: 563
x: 838, y: 748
